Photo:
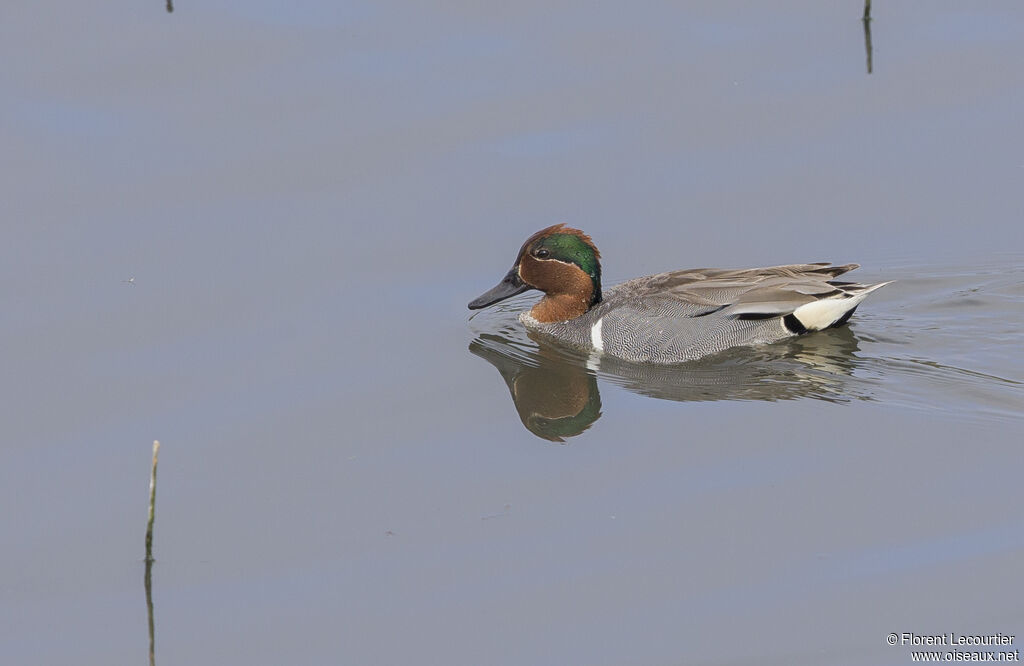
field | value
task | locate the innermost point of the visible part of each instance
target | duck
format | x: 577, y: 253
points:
x: 671, y: 317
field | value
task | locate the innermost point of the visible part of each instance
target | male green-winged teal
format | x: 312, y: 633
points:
x: 669, y: 317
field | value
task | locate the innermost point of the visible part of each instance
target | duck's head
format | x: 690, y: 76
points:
x: 560, y: 261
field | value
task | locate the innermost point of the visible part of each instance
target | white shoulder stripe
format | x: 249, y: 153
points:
x: 595, y: 335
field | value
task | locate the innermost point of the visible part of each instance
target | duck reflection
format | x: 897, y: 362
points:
x: 556, y: 396
x: 556, y: 393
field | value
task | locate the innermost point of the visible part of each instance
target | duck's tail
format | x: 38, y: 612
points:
x: 831, y: 311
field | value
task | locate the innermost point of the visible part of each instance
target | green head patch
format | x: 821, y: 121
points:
x: 571, y: 246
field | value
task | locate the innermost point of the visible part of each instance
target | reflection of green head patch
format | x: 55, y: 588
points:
x: 573, y: 249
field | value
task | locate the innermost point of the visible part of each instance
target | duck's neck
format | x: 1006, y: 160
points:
x: 560, y: 307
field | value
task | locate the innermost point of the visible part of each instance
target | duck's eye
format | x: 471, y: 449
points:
x: 541, y: 254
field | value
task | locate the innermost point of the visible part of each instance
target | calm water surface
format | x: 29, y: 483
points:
x: 356, y: 471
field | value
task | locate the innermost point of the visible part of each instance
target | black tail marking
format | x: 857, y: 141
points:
x: 845, y: 318
x: 793, y: 325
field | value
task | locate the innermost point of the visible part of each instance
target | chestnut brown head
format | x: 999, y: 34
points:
x: 560, y: 261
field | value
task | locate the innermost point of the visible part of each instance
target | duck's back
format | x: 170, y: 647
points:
x: 685, y: 315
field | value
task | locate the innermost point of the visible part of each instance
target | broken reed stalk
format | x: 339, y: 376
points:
x: 152, y: 503
x: 866, y: 20
x: 148, y: 583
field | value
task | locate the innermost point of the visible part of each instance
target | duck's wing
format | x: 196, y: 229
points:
x: 753, y: 293
x: 722, y: 286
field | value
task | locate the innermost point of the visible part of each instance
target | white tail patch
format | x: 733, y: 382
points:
x: 819, y: 315
x: 595, y: 335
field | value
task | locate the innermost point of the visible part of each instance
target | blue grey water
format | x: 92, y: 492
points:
x: 250, y: 230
